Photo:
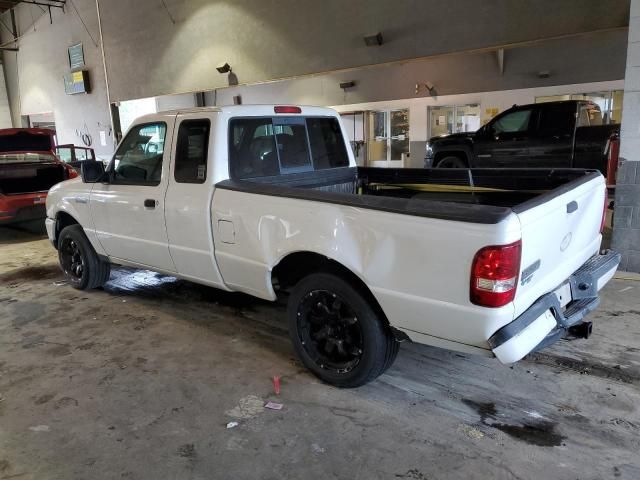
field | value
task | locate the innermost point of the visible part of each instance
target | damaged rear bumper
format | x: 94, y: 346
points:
x: 547, y: 321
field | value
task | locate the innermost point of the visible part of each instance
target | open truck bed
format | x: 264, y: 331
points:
x: 467, y: 195
x: 552, y: 216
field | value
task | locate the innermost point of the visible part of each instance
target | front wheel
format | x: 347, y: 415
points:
x: 80, y: 263
x: 451, y: 161
x: 337, y: 333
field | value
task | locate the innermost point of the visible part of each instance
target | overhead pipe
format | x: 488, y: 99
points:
x: 106, y: 75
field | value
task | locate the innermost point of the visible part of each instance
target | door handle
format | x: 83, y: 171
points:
x: 149, y: 203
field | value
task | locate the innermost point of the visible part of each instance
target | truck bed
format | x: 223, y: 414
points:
x: 469, y: 195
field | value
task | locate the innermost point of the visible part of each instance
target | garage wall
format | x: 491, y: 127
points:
x: 35, y: 73
x: 272, y: 39
x: 5, y: 112
x: 589, y: 58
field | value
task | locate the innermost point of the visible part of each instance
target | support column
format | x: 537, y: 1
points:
x: 626, y: 230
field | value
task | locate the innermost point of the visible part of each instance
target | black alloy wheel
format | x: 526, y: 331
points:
x: 451, y: 162
x: 329, y: 331
x: 338, y: 331
x: 82, y: 266
x: 72, y: 261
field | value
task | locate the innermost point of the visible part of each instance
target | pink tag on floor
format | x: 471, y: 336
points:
x: 274, y: 406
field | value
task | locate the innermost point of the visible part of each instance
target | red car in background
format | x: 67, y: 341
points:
x: 28, y: 169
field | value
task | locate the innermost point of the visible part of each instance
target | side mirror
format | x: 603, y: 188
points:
x: 91, y: 172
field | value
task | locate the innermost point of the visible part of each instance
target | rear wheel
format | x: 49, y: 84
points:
x: 451, y: 161
x: 337, y: 333
x: 80, y: 263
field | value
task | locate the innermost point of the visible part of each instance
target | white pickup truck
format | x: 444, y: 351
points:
x: 268, y: 200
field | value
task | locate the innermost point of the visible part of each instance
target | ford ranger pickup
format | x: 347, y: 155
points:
x: 267, y: 200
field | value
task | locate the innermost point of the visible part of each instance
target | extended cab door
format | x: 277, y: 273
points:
x: 504, y: 142
x: 128, y: 212
x: 552, y: 140
x: 188, y: 200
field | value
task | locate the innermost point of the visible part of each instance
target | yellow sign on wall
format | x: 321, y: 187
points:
x: 491, y: 112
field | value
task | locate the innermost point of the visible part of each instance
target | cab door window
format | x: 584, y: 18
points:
x: 556, y: 120
x: 138, y: 160
x: 512, y: 123
x: 191, y: 151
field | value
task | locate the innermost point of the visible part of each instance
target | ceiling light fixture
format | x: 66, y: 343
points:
x: 224, y: 68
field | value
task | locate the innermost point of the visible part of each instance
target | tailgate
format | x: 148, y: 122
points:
x: 560, y: 232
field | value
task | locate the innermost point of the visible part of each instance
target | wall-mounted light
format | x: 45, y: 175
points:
x: 374, y: 40
x: 224, y: 68
x: 349, y: 84
x: 237, y: 100
x: 428, y: 86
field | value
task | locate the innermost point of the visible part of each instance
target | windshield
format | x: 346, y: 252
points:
x: 25, y: 158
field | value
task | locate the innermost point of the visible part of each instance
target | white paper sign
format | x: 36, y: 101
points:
x: 103, y: 138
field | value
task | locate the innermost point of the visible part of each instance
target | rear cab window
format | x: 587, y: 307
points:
x: 589, y: 114
x: 268, y: 146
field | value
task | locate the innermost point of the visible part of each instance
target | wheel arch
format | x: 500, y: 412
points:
x: 461, y: 153
x: 294, y: 266
x: 63, y: 219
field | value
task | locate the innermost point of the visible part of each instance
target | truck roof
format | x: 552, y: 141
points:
x: 556, y: 102
x: 256, y: 110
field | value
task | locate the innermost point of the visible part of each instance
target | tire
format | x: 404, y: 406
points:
x: 337, y: 332
x: 82, y: 266
x: 452, y: 161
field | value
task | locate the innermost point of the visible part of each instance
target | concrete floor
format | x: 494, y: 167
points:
x: 139, y: 380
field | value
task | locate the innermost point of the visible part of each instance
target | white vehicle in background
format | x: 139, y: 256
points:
x: 267, y: 200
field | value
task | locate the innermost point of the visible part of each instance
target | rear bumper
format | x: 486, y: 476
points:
x: 22, y: 207
x: 546, y: 321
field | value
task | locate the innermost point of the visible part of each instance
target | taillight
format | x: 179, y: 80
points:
x: 604, y: 209
x: 287, y: 109
x: 494, y: 274
x: 71, y: 173
x: 613, y: 152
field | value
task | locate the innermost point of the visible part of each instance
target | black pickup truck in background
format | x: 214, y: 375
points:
x: 565, y: 134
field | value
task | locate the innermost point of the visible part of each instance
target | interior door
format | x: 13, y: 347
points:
x: 377, y: 148
x: 128, y: 212
x: 552, y: 141
x: 188, y: 201
x: 388, y: 144
x: 399, y: 138
x: 504, y: 142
